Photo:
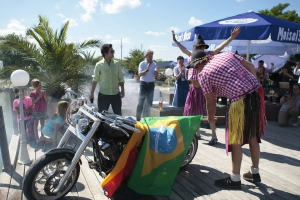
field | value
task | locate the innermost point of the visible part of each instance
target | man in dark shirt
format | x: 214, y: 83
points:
x: 288, y: 68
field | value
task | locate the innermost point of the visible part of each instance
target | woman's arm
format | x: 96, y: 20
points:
x: 234, y: 33
x: 297, y: 69
x: 177, y: 73
x: 181, y: 47
x: 56, y: 127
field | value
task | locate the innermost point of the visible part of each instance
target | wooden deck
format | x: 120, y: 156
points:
x: 279, y: 169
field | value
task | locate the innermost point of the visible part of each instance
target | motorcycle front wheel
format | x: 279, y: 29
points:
x: 45, y: 173
x: 191, y: 152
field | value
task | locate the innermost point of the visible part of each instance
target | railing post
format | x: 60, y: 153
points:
x: 13, y: 114
x: 7, y: 166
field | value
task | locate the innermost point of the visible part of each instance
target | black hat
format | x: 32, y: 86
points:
x: 180, y: 58
x: 198, y: 56
x: 200, y: 42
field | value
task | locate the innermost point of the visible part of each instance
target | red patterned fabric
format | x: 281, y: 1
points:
x: 195, y: 103
x: 225, y: 76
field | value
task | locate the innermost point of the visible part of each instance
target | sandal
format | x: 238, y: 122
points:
x: 213, y: 141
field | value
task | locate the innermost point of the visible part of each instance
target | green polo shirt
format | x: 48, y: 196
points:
x: 108, y: 77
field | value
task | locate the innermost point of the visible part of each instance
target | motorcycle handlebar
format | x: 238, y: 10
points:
x: 118, y: 122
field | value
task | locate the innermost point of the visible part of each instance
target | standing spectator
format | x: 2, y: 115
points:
x: 181, y: 83
x: 288, y: 70
x: 229, y: 75
x: 109, y: 76
x: 297, y: 71
x: 52, y: 127
x: 148, y: 71
x: 290, y: 106
x: 39, y: 101
x: 27, y: 109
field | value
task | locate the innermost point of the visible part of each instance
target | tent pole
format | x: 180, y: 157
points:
x: 248, y: 49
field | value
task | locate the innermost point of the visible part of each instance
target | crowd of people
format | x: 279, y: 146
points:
x: 208, y: 75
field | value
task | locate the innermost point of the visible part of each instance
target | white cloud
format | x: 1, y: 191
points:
x: 155, y: 33
x: 60, y: 15
x: 89, y: 7
x: 124, y: 41
x: 86, y: 17
x: 14, y: 26
x: 117, y: 6
x: 107, y: 37
x: 56, y: 6
x: 158, y: 48
x: 72, y: 22
x: 175, y: 29
x: 195, y: 22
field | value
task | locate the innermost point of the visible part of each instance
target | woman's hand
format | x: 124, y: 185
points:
x: 174, y: 38
x: 235, y: 32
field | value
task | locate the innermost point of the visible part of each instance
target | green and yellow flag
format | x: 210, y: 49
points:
x: 163, y: 151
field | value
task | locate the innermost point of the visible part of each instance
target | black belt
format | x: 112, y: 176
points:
x: 147, y: 82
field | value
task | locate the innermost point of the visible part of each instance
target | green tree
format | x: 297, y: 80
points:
x: 132, y: 62
x: 278, y: 11
x: 62, y: 62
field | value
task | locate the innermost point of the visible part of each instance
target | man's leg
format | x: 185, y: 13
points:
x: 149, y: 100
x: 116, y: 104
x: 253, y: 174
x: 282, y: 118
x: 234, y: 180
x: 103, y: 102
x: 236, y: 158
x: 142, y: 96
x: 254, y: 151
x: 294, y: 113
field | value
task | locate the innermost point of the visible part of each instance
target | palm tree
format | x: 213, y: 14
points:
x: 133, y: 60
x: 61, y: 62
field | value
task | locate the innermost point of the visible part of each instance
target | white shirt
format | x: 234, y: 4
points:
x: 150, y: 75
x: 297, y: 73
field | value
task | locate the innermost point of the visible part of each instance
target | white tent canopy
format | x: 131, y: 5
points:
x: 278, y: 61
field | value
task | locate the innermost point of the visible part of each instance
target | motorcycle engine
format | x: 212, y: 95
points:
x: 110, y: 152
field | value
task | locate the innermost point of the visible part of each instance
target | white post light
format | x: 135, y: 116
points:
x: 20, y: 79
x: 169, y: 73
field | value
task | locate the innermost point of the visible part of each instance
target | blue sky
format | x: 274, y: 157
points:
x: 145, y: 24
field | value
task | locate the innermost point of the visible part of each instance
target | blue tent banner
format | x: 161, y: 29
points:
x: 260, y: 34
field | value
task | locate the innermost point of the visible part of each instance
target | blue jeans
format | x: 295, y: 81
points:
x: 146, y: 92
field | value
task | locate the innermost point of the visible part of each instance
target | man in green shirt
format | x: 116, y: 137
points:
x: 109, y: 76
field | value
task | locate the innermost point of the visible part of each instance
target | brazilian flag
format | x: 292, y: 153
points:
x: 163, y: 151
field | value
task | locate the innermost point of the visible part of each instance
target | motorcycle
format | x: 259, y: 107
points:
x: 55, y: 173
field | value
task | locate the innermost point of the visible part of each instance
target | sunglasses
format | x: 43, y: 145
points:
x: 112, y: 51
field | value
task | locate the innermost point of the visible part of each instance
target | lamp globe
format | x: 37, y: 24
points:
x: 19, y: 78
x: 169, y: 72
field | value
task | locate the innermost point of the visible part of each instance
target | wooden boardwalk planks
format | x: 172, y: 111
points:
x: 279, y: 169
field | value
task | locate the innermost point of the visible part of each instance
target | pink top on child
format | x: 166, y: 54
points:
x: 27, y: 102
x: 41, y: 104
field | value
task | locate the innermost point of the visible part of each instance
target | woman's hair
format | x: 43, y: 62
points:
x: 61, y: 109
x: 35, y: 83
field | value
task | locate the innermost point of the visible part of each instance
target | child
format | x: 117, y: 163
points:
x: 51, y: 128
x: 27, y: 109
x: 39, y: 101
